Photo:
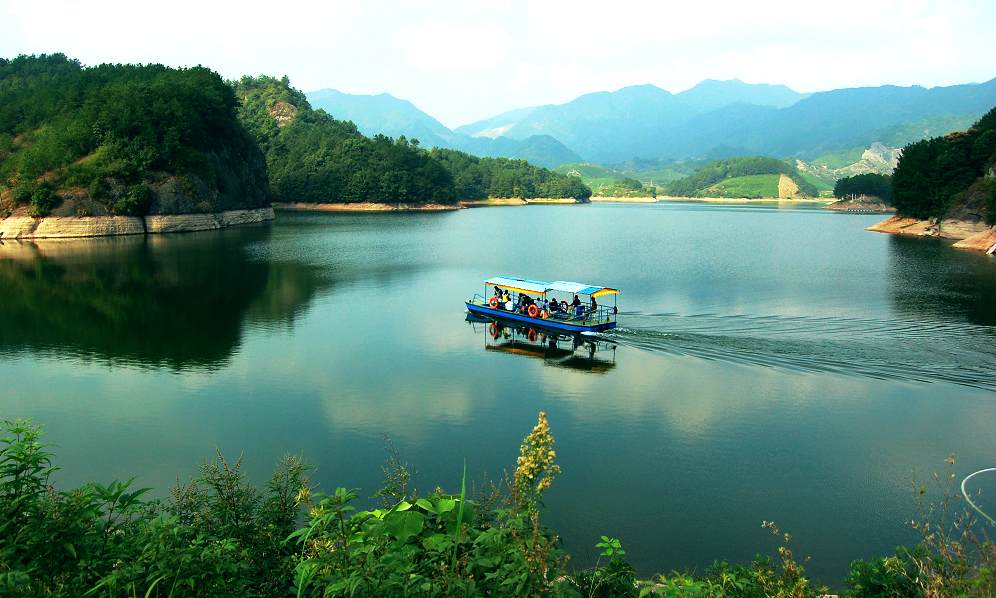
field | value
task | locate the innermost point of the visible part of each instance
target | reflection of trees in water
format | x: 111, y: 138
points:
x: 177, y: 301
x: 930, y: 278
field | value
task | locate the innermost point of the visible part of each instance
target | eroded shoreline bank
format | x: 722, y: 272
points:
x: 970, y: 235
x: 74, y: 227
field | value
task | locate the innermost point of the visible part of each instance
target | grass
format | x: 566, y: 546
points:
x: 752, y: 186
x: 840, y: 158
x: 823, y: 186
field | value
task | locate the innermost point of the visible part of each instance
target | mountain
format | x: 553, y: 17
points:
x: 715, y: 119
x: 711, y: 94
x: 385, y: 114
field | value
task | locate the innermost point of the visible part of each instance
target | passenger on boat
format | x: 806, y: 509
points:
x: 594, y: 306
x: 576, y: 303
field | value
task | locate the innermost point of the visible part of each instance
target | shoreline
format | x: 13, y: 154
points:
x: 745, y: 200
x: 78, y: 227
x: 366, y: 206
x: 610, y: 199
x: 973, y: 236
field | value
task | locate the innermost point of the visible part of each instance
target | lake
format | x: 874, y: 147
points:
x: 770, y: 364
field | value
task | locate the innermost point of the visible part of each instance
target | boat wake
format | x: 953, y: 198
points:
x: 963, y: 354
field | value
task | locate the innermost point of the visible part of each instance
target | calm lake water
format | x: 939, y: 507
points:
x: 770, y: 364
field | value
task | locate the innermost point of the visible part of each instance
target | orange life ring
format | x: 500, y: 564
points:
x: 531, y: 335
x: 493, y: 329
x: 493, y: 303
x: 533, y: 311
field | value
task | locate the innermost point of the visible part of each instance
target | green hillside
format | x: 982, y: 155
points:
x: 122, y: 139
x: 753, y: 186
x: 753, y: 177
x: 314, y: 158
x: 605, y: 180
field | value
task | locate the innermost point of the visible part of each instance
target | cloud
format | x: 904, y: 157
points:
x: 462, y: 60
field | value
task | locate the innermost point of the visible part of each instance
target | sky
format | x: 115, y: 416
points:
x: 463, y: 60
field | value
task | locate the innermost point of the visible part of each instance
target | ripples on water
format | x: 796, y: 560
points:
x: 960, y: 353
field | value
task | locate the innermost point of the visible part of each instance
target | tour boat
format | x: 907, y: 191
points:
x: 531, y: 303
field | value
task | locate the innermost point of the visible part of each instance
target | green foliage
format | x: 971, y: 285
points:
x: 219, y: 535
x: 932, y: 171
x: 480, y: 178
x: 703, y: 181
x: 75, y: 126
x: 43, y: 200
x: 871, y: 184
x: 313, y: 157
x: 886, y: 577
x: 133, y: 203
x: 216, y: 536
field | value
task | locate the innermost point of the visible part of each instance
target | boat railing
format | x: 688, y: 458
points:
x: 601, y: 315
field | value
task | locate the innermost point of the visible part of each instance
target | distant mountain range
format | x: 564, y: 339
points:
x: 388, y: 115
x: 714, y: 119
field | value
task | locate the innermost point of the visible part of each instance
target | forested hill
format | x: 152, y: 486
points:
x: 952, y: 176
x: 122, y: 139
x: 315, y: 158
x: 751, y: 177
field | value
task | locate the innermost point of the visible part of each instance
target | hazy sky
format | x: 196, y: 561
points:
x: 461, y: 60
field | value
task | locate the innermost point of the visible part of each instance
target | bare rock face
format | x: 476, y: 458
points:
x: 66, y: 227
x: 787, y: 189
x: 283, y: 112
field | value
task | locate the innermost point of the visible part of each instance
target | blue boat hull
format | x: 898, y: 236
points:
x: 552, y: 323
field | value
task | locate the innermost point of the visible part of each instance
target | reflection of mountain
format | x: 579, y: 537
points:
x: 178, y: 301
x: 569, y: 351
x: 927, y: 280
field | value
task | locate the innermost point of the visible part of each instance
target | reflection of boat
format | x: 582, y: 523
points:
x: 558, y: 349
x: 544, y: 304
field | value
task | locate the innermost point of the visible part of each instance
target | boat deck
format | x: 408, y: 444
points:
x: 601, y: 319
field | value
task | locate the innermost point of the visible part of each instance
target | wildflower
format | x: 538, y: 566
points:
x: 536, y: 464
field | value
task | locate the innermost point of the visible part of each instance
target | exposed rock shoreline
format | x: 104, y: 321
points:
x: 971, y: 235
x: 69, y: 227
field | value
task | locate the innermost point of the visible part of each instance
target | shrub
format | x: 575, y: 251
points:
x: 22, y: 193
x: 135, y: 202
x: 43, y: 200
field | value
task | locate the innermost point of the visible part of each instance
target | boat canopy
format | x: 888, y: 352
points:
x: 521, y: 285
x: 580, y: 288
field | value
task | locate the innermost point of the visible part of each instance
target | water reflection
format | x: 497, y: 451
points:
x: 178, y: 302
x: 925, y: 280
x: 569, y: 351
